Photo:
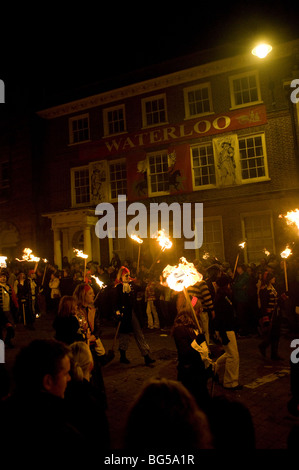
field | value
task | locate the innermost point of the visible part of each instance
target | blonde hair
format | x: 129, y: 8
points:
x: 81, y: 359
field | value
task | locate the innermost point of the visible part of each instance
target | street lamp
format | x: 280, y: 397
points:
x: 261, y: 50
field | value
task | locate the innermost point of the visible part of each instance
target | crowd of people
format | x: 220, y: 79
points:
x: 225, y: 306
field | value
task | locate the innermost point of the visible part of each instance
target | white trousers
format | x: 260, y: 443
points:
x: 231, y: 360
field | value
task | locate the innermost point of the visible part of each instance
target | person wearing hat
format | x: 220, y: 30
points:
x: 224, y: 325
x: 124, y: 298
x: 8, y: 309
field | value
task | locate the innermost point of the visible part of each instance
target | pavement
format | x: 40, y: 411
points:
x: 266, y: 384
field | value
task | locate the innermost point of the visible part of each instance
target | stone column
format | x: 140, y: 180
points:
x: 87, y: 243
x: 57, y: 248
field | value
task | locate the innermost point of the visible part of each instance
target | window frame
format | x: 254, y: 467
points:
x: 232, y: 94
x: 262, y: 214
x: 206, y: 186
x: 148, y: 99
x: 113, y: 162
x: 187, y: 103
x: 259, y: 178
x: 150, y: 192
x: 199, y: 252
x: 106, y: 121
x: 73, y: 188
x: 71, y: 132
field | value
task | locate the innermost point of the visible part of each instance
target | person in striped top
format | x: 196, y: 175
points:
x: 202, y: 292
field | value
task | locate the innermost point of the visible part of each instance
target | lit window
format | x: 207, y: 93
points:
x: 245, y: 89
x: 118, y: 179
x: 154, y: 110
x: 79, y: 129
x: 114, y: 120
x: 197, y: 100
x: 158, y: 173
x: 203, y: 165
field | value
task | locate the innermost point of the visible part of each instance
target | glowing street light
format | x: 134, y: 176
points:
x: 261, y: 50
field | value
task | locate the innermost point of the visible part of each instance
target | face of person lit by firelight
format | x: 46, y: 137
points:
x: 57, y: 385
x: 89, y: 297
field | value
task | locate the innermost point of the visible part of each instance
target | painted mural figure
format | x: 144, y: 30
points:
x: 226, y: 164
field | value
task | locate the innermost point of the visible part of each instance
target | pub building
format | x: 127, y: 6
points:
x: 218, y: 128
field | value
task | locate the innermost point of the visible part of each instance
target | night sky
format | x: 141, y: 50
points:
x: 48, y: 51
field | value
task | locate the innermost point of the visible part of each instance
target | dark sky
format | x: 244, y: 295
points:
x: 50, y: 50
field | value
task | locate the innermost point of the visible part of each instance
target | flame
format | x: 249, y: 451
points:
x: 136, y: 238
x: 181, y: 276
x: 99, y: 283
x: 3, y: 262
x: 206, y: 256
x: 292, y: 217
x: 242, y: 245
x: 164, y: 241
x: 28, y: 256
x: 80, y: 253
x: 267, y: 253
x: 286, y: 253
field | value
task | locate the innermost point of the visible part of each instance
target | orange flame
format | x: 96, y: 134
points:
x: 136, y: 238
x: 164, y: 241
x: 182, y: 276
x: 80, y: 253
x: 99, y: 283
x: 28, y: 256
x: 286, y: 253
x: 292, y: 217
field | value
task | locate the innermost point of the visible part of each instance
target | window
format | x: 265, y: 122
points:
x: 114, y: 120
x: 197, y: 100
x: 79, y: 129
x: 154, y: 110
x: 212, y: 238
x: 252, y: 157
x: 203, y: 165
x: 158, y: 173
x: 80, y: 186
x: 118, y: 179
x: 244, y: 89
x: 4, y: 175
x: 259, y: 234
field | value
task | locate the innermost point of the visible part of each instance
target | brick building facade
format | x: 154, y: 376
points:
x: 220, y: 132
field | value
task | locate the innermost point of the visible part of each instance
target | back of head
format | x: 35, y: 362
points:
x: 33, y: 362
x: 166, y: 416
x: 81, y: 360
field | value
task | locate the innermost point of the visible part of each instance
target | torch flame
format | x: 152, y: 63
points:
x: 242, y: 245
x: 80, y: 253
x: 292, y: 217
x: 99, y: 283
x: 136, y: 238
x: 28, y: 256
x: 182, y: 276
x: 286, y: 253
x: 3, y: 262
x: 164, y: 241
